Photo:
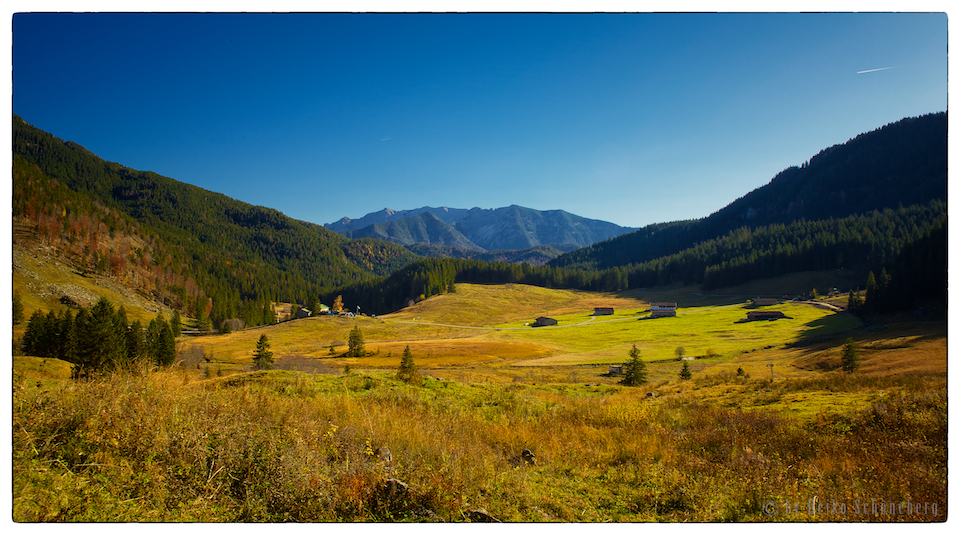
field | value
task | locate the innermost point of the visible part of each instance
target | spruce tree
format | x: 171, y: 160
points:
x: 636, y: 372
x: 17, y: 308
x: 408, y: 372
x: 849, y: 357
x: 685, y: 372
x: 166, y: 346
x: 135, y: 342
x: 98, y: 340
x: 65, y: 336
x: 176, y: 323
x: 34, y: 331
x: 263, y: 357
x: 355, y: 347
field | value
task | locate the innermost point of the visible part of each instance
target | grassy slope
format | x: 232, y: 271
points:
x: 41, y: 278
x: 502, y: 312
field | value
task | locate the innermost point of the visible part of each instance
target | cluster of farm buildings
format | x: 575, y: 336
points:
x: 662, y: 309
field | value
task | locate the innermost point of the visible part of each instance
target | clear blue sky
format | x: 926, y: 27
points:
x: 633, y: 119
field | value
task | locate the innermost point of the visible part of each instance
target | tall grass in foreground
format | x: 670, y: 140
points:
x: 280, y: 445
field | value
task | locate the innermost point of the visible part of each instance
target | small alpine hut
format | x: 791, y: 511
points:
x: 543, y: 321
x: 661, y: 309
x: 762, y: 315
x: 765, y: 301
x: 603, y: 311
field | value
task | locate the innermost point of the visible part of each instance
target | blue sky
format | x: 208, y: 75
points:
x: 631, y: 118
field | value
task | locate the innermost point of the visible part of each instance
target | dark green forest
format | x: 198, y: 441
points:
x: 900, y: 164
x: 861, y: 243
x: 100, y: 339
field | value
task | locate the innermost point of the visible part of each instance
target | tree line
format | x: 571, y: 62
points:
x: 860, y: 243
x: 100, y: 339
x: 917, y: 275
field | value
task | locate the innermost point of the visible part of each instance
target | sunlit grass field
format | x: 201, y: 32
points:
x: 218, y: 442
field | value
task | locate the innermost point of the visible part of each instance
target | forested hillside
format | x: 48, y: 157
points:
x: 858, y: 243
x: 900, y: 164
x: 198, y: 251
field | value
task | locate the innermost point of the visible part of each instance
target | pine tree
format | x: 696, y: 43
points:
x: 98, y: 340
x: 34, y: 331
x: 176, y: 323
x: 355, y: 347
x: 636, y: 372
x: 263, y: 357
x: 17, y: 308
x: 685, y: 372
x: 408, y: 372
x: 166, y: 346
x: 135, y: 342
x: 65, y: 336
x: 849, y: 357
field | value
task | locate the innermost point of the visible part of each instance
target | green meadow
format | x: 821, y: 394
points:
x: 768, y: 420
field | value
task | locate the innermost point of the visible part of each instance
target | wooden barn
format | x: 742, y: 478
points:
x: 663, y: 310
x: 543, y: 321
x: 603, y: 311
x: 762, y: 315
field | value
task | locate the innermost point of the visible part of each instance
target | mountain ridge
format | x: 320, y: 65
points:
x: 511, y: 227
x: 901, y: 163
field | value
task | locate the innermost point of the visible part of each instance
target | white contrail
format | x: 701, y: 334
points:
x: 875, y: 70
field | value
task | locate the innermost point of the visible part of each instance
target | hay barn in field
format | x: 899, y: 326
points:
x: 543, y: 321
x: 760, y: 315
x: 663, y: 310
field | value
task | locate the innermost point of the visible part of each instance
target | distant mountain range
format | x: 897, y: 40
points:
x: 482, y: 230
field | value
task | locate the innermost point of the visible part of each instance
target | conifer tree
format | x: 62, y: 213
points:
x: 135, y: 342
x: 408, y: 372
x: 176, y: 324
x: 17, y: 308
x: 34, y: 331
x: 685, y: 372
x: 636, y: 372
x: 355, y: 346
x: 263, y: 357
x: 166, y: 346
x: 98, y: 340
x: 849, y: 357
x: 65, y: 336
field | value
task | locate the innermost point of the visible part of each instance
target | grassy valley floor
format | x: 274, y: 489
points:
x: 217, y: 442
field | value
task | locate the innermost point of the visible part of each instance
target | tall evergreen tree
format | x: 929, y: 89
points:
x: 135, y: 342
x: 35, y: 330
x: 65, y: 336
x: 849, y: 356
x: 166, y: 345
x: 636, y: 372
x: 263, y: 357
x: 408, y: 372
x: 176, y: 323
x: 17, y: 308
x: 685, y: 372
x: 355, y: 346
x: 98, y: 340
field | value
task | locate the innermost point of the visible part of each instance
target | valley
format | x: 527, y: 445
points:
x: 734, y: 442
x: 137, y: 397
